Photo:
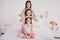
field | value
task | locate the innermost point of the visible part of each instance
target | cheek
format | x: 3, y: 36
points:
x: 29, y: 5
x: 30, y: 13
x: 27, y: 21
x: 27, y: 13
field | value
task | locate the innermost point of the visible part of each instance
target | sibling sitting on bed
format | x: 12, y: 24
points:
x: 28, y: 27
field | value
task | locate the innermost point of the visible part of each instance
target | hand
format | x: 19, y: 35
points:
x: 28, y: 37
x: 30, y: 16
x: 27, y: 16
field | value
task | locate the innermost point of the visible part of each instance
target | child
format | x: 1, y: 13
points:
x: 28, y: 27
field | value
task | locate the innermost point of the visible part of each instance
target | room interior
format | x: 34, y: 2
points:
x: 45, y: 11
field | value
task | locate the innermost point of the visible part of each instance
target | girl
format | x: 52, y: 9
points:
x: 28, y: 27
x: 27, y: 30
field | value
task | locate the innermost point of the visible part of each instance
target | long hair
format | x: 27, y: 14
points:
x: 26, y: 4
x: 26, y: 12
x: 27, y: 19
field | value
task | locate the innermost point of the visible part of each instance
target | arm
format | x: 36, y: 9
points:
x: 34, y: 18
x: 22, y: 14
x: 33, y: 14
x: 22, y: 19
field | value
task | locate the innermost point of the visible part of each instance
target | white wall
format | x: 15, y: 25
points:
x: 10, y: 10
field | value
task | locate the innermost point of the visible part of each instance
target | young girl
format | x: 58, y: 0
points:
x: 27, y: 22
x: 28, y: 27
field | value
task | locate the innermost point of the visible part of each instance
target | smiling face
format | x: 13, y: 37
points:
x: 28, y: 5
x: 28, y: 20
x: 29, y: 13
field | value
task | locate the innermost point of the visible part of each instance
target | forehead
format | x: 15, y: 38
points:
x: 28, y: 3
x: 29, y: 11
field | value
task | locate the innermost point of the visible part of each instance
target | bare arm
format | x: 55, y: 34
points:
x: 33, y: 14
x: 22, y: 19
x: 22, y: 14
x: 34, y: 18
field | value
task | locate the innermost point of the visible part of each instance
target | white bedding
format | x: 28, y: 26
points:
x: 42, y: 33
